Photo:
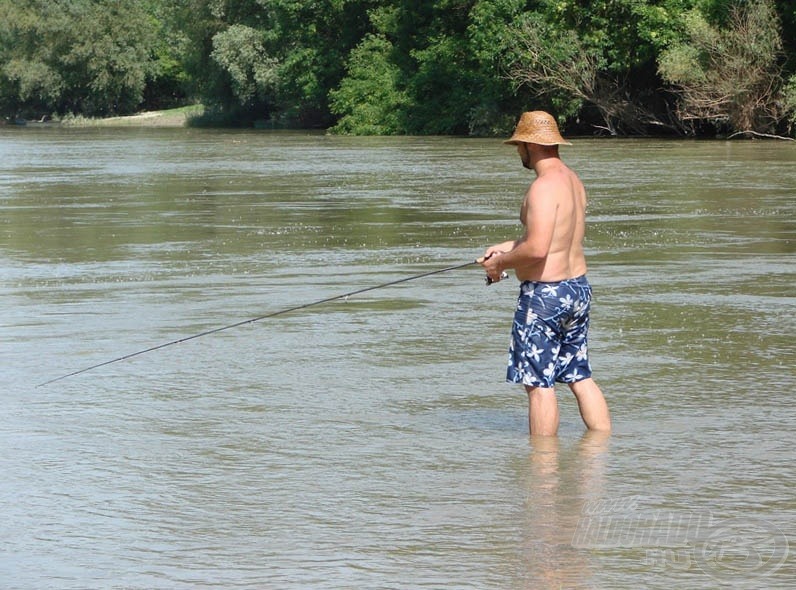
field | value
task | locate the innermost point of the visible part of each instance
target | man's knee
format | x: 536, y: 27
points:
x: 584, y: 386
x: 540, y: 392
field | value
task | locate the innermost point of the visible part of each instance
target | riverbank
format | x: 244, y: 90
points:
x: 179, y: 117
x: 189, y: 116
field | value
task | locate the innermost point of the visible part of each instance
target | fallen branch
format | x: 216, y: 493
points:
x: 756, y: 134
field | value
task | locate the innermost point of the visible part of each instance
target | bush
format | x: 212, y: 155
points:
x: 91, y: 57
x: 240, y: 52
x: 369, y: 100
x: 731, y: 76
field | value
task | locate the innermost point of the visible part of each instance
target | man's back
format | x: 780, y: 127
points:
x: 554, y: 212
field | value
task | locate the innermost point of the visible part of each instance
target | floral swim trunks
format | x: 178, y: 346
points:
x: 549, y: 335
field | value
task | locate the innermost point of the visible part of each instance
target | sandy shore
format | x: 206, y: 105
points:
x: 167, y: 118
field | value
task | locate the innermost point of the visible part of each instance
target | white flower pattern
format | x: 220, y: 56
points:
x: 549, y: 333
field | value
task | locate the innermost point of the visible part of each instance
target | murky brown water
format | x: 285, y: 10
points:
x: 372, y: 443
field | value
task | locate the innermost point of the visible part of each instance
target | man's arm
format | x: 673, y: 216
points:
x: 540, y: 221
x: 501, y: 248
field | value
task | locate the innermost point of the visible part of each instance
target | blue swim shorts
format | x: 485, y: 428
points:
x: 549, y: 335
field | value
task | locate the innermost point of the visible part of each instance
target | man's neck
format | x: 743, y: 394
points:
x: 545, y: 163
x: 541, y: 157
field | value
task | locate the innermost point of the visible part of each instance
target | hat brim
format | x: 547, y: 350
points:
x: 514, y: 141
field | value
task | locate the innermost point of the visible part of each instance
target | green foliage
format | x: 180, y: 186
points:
x: 52, y: 61
x: 498, y: 100
x: 240, y: 52
x: 729, y: 75
x: 370, y: 100
x: 657, y: 24
x: 687, y: 62
x: 552, y: 63
x: 787, y: 12
x: 789, y: 101
x: 626, y: 33
x: 392, y: 66
x: 595, y: 59
x: 286, y: 71
x: 168, y: 83
x: 438, y: 66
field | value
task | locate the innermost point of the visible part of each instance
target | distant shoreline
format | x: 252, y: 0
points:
x: 166, y: 118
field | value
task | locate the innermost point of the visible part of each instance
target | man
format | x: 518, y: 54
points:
x: 549, y: 334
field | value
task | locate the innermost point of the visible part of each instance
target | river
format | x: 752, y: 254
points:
x: 371, y: 441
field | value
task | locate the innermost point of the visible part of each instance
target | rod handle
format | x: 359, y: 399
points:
x: 503, y: 275
x: 489, y: 281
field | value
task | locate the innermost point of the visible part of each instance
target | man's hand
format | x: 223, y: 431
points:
x: 491, y: 263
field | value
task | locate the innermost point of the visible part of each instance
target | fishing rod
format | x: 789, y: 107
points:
x: 263, y: 317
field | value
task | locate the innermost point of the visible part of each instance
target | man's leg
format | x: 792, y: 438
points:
x: 542, y: 411
x: 592, y: 405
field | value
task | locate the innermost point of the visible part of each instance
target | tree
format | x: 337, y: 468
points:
x: 730, y: 76
x: 52, y: 62
x: 168, y: 83
x: 240, y: 51
x: 440, y: 61
x: 409, y: 66
x: 370, y: 99
x: 599, y: 56
x: 556, y: 65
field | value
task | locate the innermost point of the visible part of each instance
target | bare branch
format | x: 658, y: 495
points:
x: 756, y: 134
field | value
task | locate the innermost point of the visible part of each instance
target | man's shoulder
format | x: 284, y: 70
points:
x: 550, y: 184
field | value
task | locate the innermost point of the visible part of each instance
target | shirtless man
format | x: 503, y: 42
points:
x: 549, y: 334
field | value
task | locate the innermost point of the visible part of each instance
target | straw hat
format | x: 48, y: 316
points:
x: 537, y: 127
